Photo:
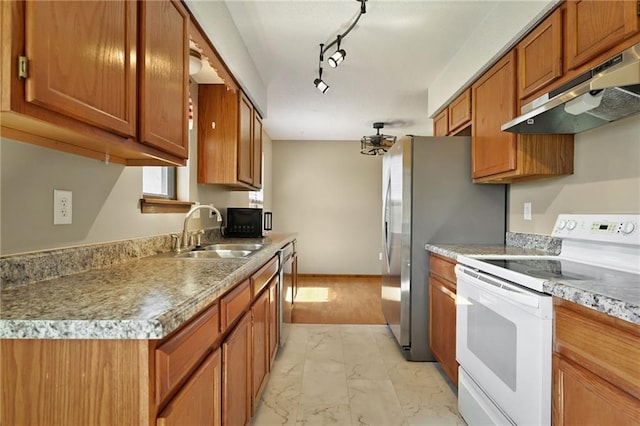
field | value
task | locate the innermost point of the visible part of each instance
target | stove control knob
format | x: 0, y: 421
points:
x: 628, y: 227
x: 571, y: 225
x: 562, y: 224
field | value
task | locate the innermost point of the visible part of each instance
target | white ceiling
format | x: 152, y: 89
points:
x: 393, y: 55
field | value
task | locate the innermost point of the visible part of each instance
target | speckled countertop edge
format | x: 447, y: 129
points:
x: 587, y: 297
x: 108, y: 303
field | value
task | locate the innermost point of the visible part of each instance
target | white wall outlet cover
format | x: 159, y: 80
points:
x: 62, y: 207
x: 196, y: 214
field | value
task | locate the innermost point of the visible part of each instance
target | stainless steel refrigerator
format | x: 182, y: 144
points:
x: 429, y: 197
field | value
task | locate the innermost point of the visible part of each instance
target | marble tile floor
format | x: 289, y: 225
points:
x: 352, y: 375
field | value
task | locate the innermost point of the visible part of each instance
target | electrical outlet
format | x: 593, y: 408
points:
x: 527, y: 211
x: 62, y: 207
x: 196, y: 214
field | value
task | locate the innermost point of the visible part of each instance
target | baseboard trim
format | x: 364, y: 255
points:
x: 333, y: 276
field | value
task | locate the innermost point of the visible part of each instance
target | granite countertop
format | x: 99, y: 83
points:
x: 138, y: 299
x: 611, y: 292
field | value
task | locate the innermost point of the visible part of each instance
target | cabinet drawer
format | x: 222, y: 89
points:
x: 177, y: 356
x: 289, y: 249
x: 234, y: 303
x: 443, y: 267
x: 607, y: 346
x: 260, y: 279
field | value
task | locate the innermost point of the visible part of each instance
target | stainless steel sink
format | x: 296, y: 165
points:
x: 233, y: 247
x: 214, y: 254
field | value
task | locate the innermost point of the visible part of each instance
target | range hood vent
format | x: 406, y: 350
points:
x: 606, y: 93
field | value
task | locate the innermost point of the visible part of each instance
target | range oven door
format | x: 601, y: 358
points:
x: 503, y: 338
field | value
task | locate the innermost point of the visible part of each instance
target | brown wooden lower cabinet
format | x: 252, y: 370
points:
x: 259, y: 347
x: 204, y: 373
x: 596, y: 368
x: 583, y: 398
x: 236, y: 374
x: 442, y: 314
x: 198, y: 402
x: 274, y: 316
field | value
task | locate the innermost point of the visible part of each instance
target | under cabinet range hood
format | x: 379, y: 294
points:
x: 606, y: 93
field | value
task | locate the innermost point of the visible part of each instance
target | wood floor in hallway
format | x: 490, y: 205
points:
x: 336, y: 299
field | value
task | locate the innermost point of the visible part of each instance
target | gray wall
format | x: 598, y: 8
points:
x: 105, y: 197
x: 330, y: 194
x: 606, y: 179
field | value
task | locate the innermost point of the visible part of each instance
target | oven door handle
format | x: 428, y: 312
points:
x: 498, y: 287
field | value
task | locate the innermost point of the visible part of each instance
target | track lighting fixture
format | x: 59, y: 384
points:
x: 335, y: 59
x: 339, y: 55
x: 321, y: 85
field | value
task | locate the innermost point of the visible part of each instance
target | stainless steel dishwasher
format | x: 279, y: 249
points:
x: 288, y: 287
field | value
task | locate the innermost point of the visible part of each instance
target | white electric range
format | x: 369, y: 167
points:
x: 504, y: 323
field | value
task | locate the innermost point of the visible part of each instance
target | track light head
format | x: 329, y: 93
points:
x: 321, y: 85
x: 337, y: 58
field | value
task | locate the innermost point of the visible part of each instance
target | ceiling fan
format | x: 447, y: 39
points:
x: 376, y: 144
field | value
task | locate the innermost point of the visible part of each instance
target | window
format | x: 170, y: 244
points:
x: 159, y: 191
x: 159, y: 182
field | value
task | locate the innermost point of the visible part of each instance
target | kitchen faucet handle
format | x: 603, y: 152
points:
x: 198, y: 236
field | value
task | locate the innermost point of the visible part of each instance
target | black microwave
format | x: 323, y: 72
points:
x: 245, y: 222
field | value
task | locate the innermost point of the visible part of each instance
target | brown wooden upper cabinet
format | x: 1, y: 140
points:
x: 227, y: 148
x: 441, y: 123
x: 593, y: 27
x: 257, y: 150
x: 540, y: 56
x: 85, y: 78
x: 455, y: 117
x: 164, y: 33
x: 494, y: 103
x: 502, y: 157
x: 460, y: 112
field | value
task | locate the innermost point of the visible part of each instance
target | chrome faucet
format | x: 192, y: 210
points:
x: 185, y: 232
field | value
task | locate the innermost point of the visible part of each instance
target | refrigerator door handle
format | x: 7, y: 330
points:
x: 387, y: 207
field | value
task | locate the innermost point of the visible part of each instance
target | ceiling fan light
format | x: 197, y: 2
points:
x: 377, y: 144
x: 337, y: 58
x: 321, y: 85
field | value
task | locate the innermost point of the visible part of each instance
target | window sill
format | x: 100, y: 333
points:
x: 161, y: 205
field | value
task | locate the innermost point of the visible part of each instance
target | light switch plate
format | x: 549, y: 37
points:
x: 62, y: 207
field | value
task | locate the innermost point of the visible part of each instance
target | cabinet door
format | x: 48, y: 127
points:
x: 583, y: 398
x: 236, y: 378
x: 257, y: 151
x: 442, y: 325
x: 163, y: 60
x: 274, y: 316
x: 198, y: 402
x: 494, y: 103
x: 441, y: 123
x: 245, y: 141
x: 460, y: 111
x: 69, y: 75
x: 217, y: 134
x: 260, y: 346
x: 596, y: 26
x: 540, y: 56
